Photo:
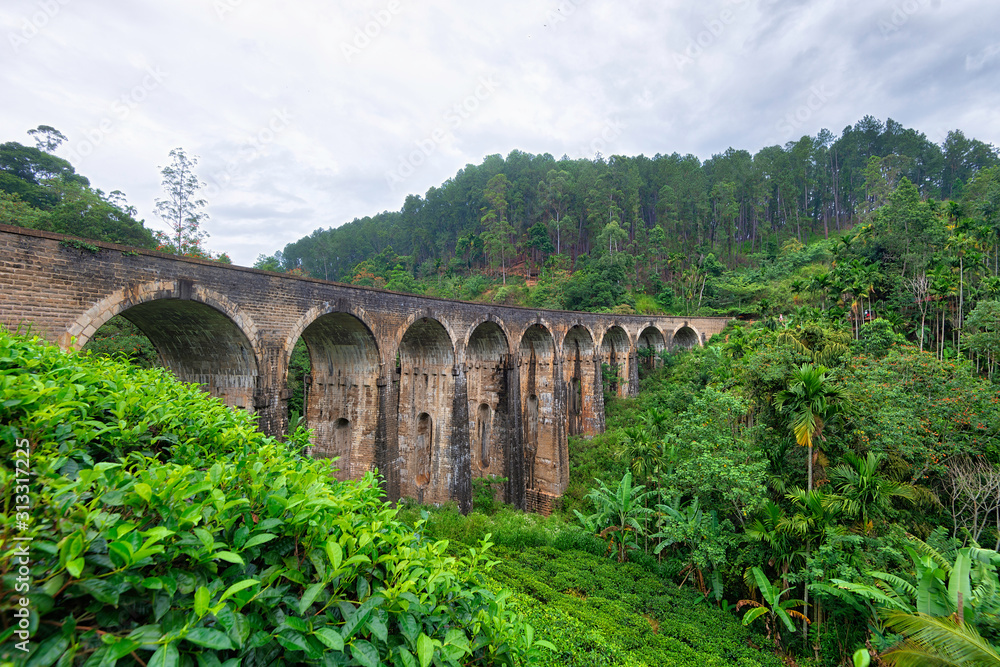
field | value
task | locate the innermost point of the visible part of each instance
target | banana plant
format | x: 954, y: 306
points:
x: 773, y: 609
x: 621, y: 515
x: 938, y: 581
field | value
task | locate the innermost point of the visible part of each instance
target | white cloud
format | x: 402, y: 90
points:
x: 745, y: 68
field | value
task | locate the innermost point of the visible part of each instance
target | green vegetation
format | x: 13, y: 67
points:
x: 593, y: 610
x: 673, y: 232
x: 42, y: 191
x: 707, y: 472
x: 166, y: 530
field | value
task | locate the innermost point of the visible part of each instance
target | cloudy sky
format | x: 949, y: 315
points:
x: 308, y: 114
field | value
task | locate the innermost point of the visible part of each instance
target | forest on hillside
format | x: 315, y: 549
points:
x: 663, y: 226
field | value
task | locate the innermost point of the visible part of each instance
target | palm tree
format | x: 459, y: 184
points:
x: 810, y: 401
x: 932, y: 641
x: 862, y: 492
x: 814, y: 514
x: 773, y: 529
x: 962, y: 243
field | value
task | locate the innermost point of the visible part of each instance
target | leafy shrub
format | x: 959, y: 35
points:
x: 166, y: 530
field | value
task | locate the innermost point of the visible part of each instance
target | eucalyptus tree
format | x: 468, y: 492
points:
x: 182, y: 211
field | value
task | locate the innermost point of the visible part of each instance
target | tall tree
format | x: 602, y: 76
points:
x: 47, y: 138
x: 498, y: 232
x: 181, y: 210
x: 810, y: 401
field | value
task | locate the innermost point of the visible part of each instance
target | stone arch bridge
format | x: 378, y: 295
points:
x: 431, y: 392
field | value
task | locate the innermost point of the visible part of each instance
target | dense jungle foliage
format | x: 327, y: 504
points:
x: 891, y: 527
x: 881, y: 545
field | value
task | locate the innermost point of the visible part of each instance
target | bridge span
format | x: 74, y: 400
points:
x: 431, y: 392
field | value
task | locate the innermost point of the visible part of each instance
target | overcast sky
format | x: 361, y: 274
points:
x: 310, y: 113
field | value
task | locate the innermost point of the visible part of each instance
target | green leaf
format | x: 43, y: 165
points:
x: 75, y: 567
x: 365, y: 653
x: 144, y: 491
x: 120, y: 553
x: 101, y: 590
x: 362, y: 587
x: 292, y: 640
x: 335, y: 552
x: 408, y: 626
x: 959, y: 582
x: 296, y: 623
x: 229, y: 557
x: 201, y: 599
x: 753, y: 614
x: 209, y: 638
x: 165, y: 656
x: 49, y: 651
x: 407, y: 658
x: 425, y: 649
x: 331, y: 638
x: 259, y: 539
x: 310, y: 596
x: 378, y: 628
x: 783, y: 615
x: 237, y: 587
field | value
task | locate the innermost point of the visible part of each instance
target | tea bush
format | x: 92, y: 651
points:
x: 166, y: 530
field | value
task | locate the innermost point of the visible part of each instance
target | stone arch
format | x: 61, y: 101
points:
x: 487, y: 352
x: 84, y: 327
x: 685, y: 336
x: 616, y: 349
x: 200, y: 335
x: 479, y: 322
x: 580, y: 380
x: 316, y: 312
x: 651, y: 339
x: 425, y: 423
x: 341, y: 390
x: 545, y: 451
x: 455, y: 341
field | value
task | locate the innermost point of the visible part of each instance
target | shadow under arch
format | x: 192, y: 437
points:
x: 650, y: 339
x: 341, y: 391
x: 487, y: 353
x: 580, y: 377
x: 615, y: 349
x: 685, y: 337
x: 425, y: 425
x: 198, y: 334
